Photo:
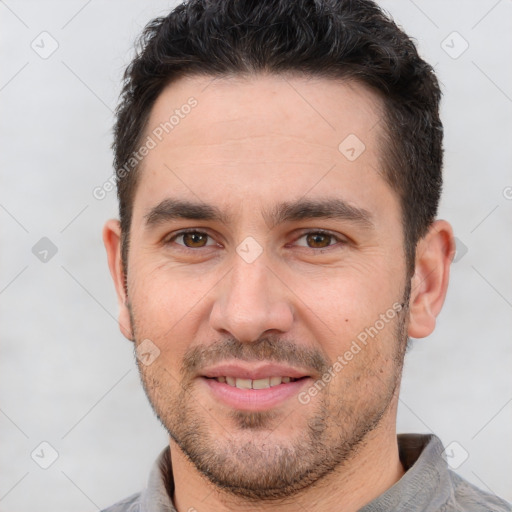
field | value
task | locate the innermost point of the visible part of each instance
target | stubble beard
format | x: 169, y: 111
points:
x: 255, y: 463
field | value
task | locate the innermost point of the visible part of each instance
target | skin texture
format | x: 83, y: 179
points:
x: 248, y: 145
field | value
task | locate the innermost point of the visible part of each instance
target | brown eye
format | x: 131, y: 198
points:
x: 192, y: 239
x: 318, y: 240
x: 195, y: 239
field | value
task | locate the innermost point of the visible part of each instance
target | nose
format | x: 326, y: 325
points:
x: 251, y: 300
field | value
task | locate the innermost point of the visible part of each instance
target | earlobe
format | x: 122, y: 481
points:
x: 112, y: 241
x: 434, y: 254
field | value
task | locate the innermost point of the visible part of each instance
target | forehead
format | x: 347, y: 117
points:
x: 266, y: 136
x: 315, y: 109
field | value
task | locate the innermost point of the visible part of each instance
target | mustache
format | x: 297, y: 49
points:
x: 267, y: 348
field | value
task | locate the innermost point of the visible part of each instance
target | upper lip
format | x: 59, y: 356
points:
x: 253, y: 372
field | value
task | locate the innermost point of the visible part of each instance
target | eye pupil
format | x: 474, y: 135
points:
x: 194, y: 239
x: 316, y: 240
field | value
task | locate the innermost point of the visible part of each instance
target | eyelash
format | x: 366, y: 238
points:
x: 305, y: 233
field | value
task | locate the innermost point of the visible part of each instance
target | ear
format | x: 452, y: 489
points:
x: 112, y: 241
x: 434, y: 254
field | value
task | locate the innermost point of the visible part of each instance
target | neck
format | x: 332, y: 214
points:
x: 369, y: 473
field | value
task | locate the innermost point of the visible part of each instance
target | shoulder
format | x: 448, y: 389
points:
x: 130, y: 504
x: 470, y: 498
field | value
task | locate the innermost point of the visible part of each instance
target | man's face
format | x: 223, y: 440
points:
x: 266, y: 283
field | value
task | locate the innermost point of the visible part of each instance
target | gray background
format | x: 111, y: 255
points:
x: 68, y: 376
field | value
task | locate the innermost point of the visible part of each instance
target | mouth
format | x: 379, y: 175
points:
x: 254, y: 388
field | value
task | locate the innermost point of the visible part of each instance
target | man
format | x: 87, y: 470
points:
x: 279, y: 172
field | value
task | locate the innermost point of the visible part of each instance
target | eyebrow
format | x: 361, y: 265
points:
x: 301, y: 209
x: 170, y: 209
x: 304, y: 209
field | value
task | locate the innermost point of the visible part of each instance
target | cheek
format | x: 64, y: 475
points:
x: 345, y: 303
x: 163, y: 292
x: 168, y: 306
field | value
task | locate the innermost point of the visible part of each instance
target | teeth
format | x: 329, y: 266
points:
x: 254, y: 384
x: 261, y: 383
x: 243, y: 383
x: 274, y: 381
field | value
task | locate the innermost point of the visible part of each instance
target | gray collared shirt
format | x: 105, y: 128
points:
x: 428, y: 485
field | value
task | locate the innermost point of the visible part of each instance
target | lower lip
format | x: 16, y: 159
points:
x: 254, y: 399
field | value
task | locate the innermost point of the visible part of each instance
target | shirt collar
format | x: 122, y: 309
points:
x: 426, y: 484
x: 158, y: 495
